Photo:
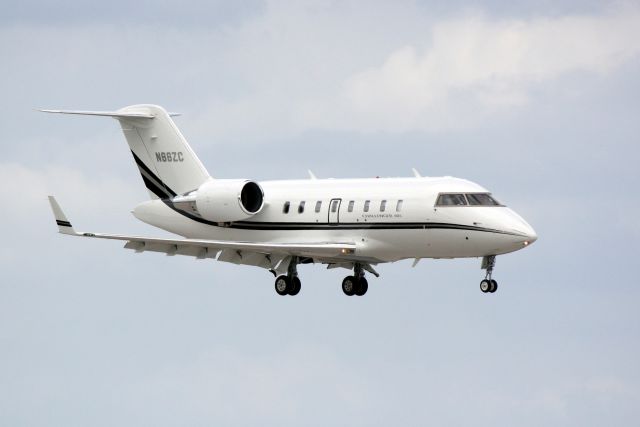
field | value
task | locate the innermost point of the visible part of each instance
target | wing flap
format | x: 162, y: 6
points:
x: 265, y: 255
x: 270, y: 255
x: 184, y: 246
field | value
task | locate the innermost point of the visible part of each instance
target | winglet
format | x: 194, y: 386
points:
x: 64, y: 226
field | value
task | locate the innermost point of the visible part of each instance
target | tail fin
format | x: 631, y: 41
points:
x: 166, y: 162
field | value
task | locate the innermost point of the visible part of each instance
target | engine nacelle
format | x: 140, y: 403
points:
x: 228, y: 200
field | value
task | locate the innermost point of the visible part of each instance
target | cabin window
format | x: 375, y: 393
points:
x: 481, y: 199
x: 318, y: 206
x: 366, y: 205
x: 301, y: 207
x: 350, y: 207
x: 383, y: 205
x: 451, y: 200
x: 285, y: 208
x: 334, y: 206
x: 399, y: 206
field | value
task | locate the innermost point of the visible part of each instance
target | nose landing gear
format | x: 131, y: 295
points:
x: 488, y: 285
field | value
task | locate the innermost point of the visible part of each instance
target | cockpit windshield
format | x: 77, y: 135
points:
x: 481, y: 199
x: 451, y: 200
x: 468, y: 199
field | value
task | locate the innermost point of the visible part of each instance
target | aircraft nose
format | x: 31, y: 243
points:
x: 531, y: 234
x: 519, y: 225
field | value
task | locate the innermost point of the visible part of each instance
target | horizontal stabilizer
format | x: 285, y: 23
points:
x: 114, y: 114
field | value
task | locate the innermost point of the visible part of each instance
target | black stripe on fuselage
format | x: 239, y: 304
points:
x: 247, y: 225
x: 160, y: 189
x: 63, y: 223
x: 299, y: 226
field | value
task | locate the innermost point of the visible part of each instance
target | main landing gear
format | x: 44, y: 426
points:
x: 488, y: 285
x: 356, y: 284
x: 286, y: 285
x: 289, y: 284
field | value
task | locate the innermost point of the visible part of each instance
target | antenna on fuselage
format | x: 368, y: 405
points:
x: 311, y: 174
x: 416, y: 173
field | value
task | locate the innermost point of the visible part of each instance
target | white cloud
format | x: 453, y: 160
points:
x: 439, y: 75
x: 490, y: 63
x: 271, y: 76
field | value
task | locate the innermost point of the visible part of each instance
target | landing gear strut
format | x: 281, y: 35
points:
x: 289, y: 284
x: 488, y: 285
x: 356, y: 284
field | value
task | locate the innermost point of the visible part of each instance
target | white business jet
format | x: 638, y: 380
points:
x: 277, y: 225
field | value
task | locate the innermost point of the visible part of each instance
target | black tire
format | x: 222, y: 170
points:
x: 494, y: 286
x: 485, y: 286
x: 282, y: 285
x: 296, y: 285
x: 362, y: 287
x: 349, y: 285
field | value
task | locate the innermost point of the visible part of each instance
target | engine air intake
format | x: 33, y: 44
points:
x: 251, y: 197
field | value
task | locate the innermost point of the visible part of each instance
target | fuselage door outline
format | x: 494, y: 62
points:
x: 334, y: 211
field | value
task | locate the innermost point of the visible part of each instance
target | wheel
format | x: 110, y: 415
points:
x: 485, y: 286
x: 295, y: 286
x: 362, y: 287
x: 282, y: 285
x: 349, y: 285
x: 494, y: 286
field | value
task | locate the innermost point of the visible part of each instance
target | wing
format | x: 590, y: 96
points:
x: 269, y: 255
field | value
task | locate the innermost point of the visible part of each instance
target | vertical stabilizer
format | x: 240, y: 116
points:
x: 166, y: 162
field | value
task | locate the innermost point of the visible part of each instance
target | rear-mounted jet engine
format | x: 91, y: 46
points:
x: 223, y: 200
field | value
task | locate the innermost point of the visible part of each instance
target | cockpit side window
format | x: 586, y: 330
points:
x: 481, y: 199
x: 451, y: 200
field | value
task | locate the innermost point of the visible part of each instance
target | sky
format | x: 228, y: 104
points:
x: 536, y: 101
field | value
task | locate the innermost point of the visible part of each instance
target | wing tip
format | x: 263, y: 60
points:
x: 63, y: 223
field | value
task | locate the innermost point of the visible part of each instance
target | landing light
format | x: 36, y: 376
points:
x: 347, y: 251
x: 526, y: 243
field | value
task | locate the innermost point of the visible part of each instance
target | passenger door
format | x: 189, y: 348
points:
x: 334, y: 211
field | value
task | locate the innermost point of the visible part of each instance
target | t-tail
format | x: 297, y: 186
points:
x: 168, y: 165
